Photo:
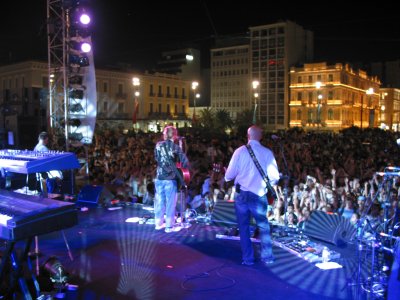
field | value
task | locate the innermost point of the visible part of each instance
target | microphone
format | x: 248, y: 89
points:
x: 388, y: 173
x: 393, y: 168
x: 275, y: 137
x: 388, y: 235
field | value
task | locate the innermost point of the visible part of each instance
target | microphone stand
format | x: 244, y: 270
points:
x: 286, y: 178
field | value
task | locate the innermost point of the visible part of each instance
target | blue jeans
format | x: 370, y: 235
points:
x: 165, y: 202
x: 248, y: 204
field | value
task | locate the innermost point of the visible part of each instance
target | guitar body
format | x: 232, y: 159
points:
x: 184, y: 177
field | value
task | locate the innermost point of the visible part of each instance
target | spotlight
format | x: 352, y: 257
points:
x: 84, y: 19
x: 75, y: 108
x: 76, y: 94
x: 79, y: 46
x: 81, y: 61
x: 74, y: 122
x: 75, y: 136
x: 55, y: 270
x: 77, y: 79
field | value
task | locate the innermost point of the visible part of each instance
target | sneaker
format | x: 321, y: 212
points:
x: 268, y: 261
x: 247, y: 263
x: 160, y: 227
x: 173, y: 229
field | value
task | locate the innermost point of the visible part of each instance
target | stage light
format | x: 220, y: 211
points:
x: 74, y: 122
x: 76, y: 79
x: 84, y: 19
x: 76, y: 94
x: 75, y: 136
x: 77, y: 107
x: 81, y: 61
x: 78, y: 46
x: 55, y: 270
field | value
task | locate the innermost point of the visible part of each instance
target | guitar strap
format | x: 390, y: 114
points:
x: 263, y: 175
x: 181, y: 181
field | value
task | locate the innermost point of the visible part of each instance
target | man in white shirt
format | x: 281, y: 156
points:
x: 251, y: 190
x: 52, y: 177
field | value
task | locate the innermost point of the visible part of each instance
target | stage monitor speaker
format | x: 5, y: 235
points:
x: 224, y: 213
x: 330, y: 228
x: 93, y: 195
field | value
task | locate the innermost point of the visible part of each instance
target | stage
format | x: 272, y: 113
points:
x: 115, y: 259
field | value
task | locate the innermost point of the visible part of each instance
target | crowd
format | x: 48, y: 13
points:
x: 333, y: 172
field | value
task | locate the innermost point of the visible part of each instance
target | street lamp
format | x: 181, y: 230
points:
x: 136, y: 85
x: 369, y: 92
x: 318, y: 85
x: 195, y: 85
x: 255, y: 84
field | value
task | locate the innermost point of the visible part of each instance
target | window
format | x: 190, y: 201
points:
x: 151, y: 90
x: 310, y: 79
x: 176, y: 93
x: 298, y: 117
x: 105, y: 87
x: 105, y: 106
x: 299, y: 79
x: 330, y: 114
x: 168, y: 109
x: 159, y: 108
x: 120, y: 88
x: 330, y: 95
x: 151, y: 108
x: 176, y: 109
x: 160, y: 91
x: 299, y: 96
x: 120, y: 107
x: 183, y: 93
x: 310, y: 98
x: 330, y: 77
x: 168, y: 92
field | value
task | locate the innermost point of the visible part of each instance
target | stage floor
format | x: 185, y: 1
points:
x: 115, y: 259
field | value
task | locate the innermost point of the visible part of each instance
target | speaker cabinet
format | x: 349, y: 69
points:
x: 93, y: 195
x: 224, y: 213
x: 330, y: 228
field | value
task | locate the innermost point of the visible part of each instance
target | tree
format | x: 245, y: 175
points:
x: 223, y: 120
x: 243, y: 122
x: 207, y: 117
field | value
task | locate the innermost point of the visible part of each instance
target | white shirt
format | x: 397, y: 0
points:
x: 244, y: 171
x: 40, y: 147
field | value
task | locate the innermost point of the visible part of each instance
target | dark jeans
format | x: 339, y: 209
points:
x: 248, y: 204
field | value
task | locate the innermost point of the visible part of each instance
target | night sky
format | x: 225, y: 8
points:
x: 135, y: 32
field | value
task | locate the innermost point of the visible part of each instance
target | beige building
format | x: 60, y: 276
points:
x: 333, y: 97
x: 230, y: 79
x: 390, y: 109
x: 161, y: 99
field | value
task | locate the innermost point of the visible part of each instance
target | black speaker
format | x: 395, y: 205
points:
x: 224, y: 212
x: 93, y: 195
x: 330, y: 228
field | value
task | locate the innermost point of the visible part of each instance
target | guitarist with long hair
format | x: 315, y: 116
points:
x: 169, y: 178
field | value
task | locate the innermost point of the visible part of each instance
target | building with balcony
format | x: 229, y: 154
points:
x: 161, y: 99
x: 333, y: 97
